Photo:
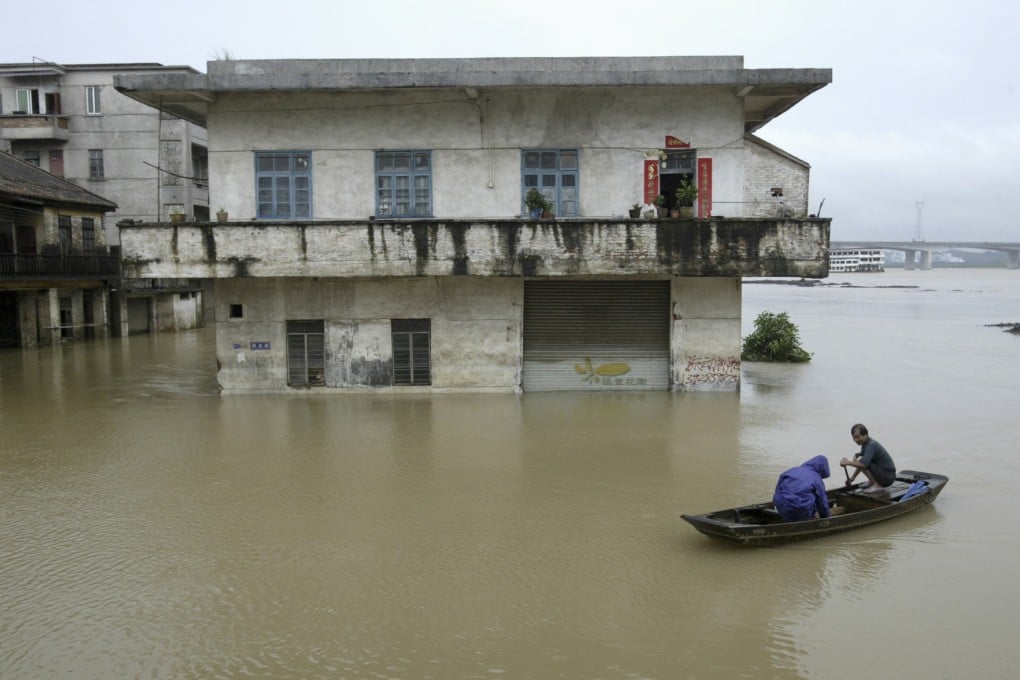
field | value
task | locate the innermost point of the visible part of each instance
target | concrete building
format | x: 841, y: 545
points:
x: 56, y: 270
x: 379, y: 237
x: 69, y: 120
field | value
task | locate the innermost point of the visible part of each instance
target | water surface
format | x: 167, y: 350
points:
x: 152, y: 528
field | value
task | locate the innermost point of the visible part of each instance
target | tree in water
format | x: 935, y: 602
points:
x: 775, y: 338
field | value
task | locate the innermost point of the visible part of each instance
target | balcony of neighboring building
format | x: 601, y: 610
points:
x: 21, y: 270
x: 22, y: 126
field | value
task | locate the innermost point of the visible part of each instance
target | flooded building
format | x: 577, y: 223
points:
x: 465, y: 224
x: 56, y: 269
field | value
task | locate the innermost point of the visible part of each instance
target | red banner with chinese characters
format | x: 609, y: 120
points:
x: 651, y: 180
x: 676, y: 143
x: 704, y: 187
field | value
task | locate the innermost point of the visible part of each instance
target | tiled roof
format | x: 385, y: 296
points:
x: 19, y: 179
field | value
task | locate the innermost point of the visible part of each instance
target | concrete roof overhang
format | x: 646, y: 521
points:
x: 766, y: 93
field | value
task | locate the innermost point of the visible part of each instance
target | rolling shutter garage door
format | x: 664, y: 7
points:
x: 596, y: 335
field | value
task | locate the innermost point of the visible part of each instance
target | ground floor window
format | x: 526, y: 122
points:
x: 412, y: 351
x: 306, y: 360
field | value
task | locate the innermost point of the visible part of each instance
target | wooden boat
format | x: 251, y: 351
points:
x: 851, y: 507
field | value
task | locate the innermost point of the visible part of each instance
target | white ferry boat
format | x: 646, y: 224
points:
x: 856, y: 260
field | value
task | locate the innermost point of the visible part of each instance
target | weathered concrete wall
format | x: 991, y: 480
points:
x: 767, y: 169
x: 476, y: 330
x: 476, y: 143
x: 706, y: 334
x: 508, y: 248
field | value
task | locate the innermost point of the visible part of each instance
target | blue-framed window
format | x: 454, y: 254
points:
x: 555, y: 173
x: 403, y: 183
x: 283, y: 183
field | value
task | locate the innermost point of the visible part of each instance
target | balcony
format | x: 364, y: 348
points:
x: 35, y: 127
x: 22, y: 267
x: 577, y: 247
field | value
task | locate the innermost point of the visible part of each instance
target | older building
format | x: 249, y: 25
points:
x: 380, y: 234
x: 69, y: 120
x: 55, y: 267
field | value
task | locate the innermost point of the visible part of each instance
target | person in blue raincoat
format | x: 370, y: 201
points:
x: 800, y: 492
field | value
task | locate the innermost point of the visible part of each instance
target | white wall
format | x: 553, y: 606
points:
x: 474, y: 142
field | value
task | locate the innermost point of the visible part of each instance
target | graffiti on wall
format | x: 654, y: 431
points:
x: 708, y: 370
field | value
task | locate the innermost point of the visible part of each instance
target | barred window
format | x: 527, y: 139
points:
x: 412, y: 351
x: 96, y: 170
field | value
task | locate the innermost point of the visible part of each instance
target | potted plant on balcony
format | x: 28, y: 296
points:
x: 176, y: 215
x: 635, y: 211
x: 221, y: 215
x: 685, y: 196
x: 660, y: 205
x: 536, y: 203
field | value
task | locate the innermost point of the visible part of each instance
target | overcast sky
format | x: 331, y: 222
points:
x: 922, y: 107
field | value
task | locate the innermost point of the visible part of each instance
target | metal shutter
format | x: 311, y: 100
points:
x: 596, y: 335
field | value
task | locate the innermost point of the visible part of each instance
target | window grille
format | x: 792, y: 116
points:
x: 412, y: 351
x: 306, y: 341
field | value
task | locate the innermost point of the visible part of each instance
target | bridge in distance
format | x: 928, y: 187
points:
x: 911, y: 249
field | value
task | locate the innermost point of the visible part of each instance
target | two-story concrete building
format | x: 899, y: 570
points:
x: 378, y: 235
x: 56, y: 269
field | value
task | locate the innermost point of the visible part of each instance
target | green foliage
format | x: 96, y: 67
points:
x: 686, y: 193
x: 536, y: 199
x: 775, y: 338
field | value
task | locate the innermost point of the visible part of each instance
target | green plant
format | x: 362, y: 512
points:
x: 636, y: 206
x: 535, y: 199
x: 686, y: 193
x: 660, y: 200
x: 775, y: 338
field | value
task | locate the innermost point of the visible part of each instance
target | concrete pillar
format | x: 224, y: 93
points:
x: 926, y: 259
x: 100, y: 312
x: 705, y: 339
x: 78, y: 314
x: 49, y: 315
x: 28, y: 318
x: 1013, y: 259
x: 118, y: 314
x: 908, y: 259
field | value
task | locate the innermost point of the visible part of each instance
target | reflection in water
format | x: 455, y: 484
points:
x: 153, y: 528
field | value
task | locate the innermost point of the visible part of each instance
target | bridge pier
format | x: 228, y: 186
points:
x: 1013, y: 259
x: 908, y: 259
x: 926, y: 260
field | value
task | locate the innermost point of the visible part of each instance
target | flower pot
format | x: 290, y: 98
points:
x: 687, y: 211
x: 534, y: 213
x: 674, y: 213
x: 661, y: 212
x: 176, y: 218
x: 635, y: 213
x: 221, y: 215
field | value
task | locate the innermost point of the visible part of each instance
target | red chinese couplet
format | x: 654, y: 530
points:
x: 704, y: 187
x: 651, y: 180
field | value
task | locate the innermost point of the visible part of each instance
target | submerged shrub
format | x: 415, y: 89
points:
x: 775, y: 338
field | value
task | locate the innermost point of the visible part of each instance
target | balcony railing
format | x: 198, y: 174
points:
x: 32, y: 266
x: 30, y: 126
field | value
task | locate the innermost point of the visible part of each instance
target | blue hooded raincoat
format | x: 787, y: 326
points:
x: 800, y: 492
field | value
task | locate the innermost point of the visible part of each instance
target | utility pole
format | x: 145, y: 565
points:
x: 918, y: 236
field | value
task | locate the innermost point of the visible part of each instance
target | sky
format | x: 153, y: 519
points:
x: 919, y: 129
